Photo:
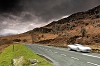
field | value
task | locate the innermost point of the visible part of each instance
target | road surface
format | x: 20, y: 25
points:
x: 63, y: 57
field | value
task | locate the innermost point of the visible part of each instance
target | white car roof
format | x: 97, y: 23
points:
x: 78, y: 45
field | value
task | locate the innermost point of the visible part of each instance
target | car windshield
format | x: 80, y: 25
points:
x: 78, y: 45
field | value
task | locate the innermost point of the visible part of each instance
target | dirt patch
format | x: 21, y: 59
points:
x: 3, y: 47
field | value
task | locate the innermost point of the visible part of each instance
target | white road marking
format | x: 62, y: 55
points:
x: 74, y: 58
x: 63, y: 54
x: 55, y: 52
x: 50, y: 50
x: 93, y: 64
x: 91, y: 55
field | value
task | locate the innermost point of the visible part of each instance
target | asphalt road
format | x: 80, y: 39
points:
x: 63, y: 57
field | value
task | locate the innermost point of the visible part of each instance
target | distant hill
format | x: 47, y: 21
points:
x: 8, y: 34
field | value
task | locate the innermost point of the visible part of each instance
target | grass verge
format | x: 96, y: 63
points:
x: 20, y: 50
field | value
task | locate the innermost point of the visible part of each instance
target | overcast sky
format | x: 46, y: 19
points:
x: 18, y: 16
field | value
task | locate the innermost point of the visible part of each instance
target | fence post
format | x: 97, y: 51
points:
x: 13, y: 47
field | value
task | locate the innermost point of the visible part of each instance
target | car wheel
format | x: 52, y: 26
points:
x: 78, y: 50
x: 69, y: 48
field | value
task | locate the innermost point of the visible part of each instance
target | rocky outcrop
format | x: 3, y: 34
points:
x: 33, y: 62
x: 18, y: 61
x: 42, y: 30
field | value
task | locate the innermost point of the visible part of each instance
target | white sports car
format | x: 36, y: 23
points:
x: 79, y: 48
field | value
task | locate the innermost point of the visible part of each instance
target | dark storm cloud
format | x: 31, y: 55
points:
x: 22, y: 15
x: 49, y: 9
x: 9, y: 5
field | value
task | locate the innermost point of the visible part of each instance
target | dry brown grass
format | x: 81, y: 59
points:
x: 94, y: 46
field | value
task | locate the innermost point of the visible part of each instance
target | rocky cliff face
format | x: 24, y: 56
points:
x: 71, y: 27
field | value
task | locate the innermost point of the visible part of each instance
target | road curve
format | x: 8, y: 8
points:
x: 63, y: 57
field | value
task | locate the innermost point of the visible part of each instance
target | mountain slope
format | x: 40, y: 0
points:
x: 81, y: 27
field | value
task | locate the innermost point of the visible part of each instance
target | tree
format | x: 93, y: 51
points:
x: 17, y: 40
x: 24, y: 40
x: 83, y: 31
x: 56, y: 28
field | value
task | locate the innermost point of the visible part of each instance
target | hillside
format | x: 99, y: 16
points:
x: 81, y: 27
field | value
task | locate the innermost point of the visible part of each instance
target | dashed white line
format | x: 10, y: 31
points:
x: 93, y: 64
x: 74, y: 58
x: 63, y: 54
x: 91, y: 55
x: 50, y: 50
x: 55, y: 52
